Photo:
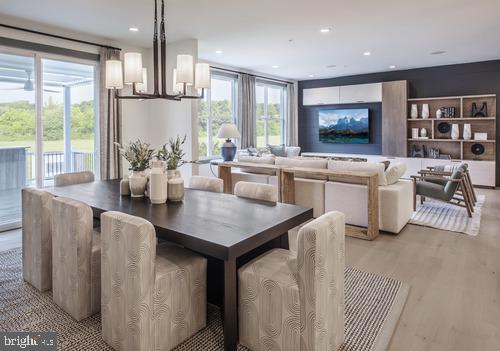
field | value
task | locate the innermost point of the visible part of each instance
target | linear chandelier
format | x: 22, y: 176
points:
x: 136, y: 75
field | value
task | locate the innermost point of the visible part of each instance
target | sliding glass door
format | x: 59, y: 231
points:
x: 48, y: 123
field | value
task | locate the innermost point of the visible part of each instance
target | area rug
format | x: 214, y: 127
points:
x: 373, y: 306
x: 442, y: 215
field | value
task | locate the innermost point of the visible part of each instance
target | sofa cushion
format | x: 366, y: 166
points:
x: 395, y: 172
x: 292, y: 151
x: 361, y: 167
x: 268, y: 160
x: 304, y: 162
x: 278, y: 150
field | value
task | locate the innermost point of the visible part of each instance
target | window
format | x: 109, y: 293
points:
x: 270, y: 99
x: 218, y: 107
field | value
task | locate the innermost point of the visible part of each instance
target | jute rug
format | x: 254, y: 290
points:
x: 373, y: 307
x: 442, y: 215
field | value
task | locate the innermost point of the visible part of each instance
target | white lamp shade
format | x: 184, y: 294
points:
x: 133, y: 67
x: 114, y: 74
x: 202, y: 76
x: 143, y: 87
x: 176, y: 87
x: 185, y: 69
x: 228, y: 131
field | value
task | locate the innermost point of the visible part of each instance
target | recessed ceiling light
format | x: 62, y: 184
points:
x: 276, y: 66
x: 219, y: 52
x: 133, y: 29
x: 311, y: 76
x: 325, y: 30
x: 440, y: 52
x: 367, y: 53
x: 392, y: 66
x: 331, y: 66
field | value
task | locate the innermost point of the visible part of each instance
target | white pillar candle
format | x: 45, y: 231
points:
x: 133, y: 67
x: 114, y: 74
x: 202, y: 76
x: 185, y: 69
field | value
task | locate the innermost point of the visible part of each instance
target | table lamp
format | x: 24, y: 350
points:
x: 228, y: 131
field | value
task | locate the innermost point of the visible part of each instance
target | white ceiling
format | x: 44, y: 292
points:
x: 255, y: 34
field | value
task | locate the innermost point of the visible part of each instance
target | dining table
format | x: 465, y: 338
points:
x: 224, y: 228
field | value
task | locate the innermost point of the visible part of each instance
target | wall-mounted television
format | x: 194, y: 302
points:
x: 344, y: 126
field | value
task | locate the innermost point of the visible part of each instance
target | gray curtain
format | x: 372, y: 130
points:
x: 110, y: 122
x: 291, y: 116
x: 247, y: 121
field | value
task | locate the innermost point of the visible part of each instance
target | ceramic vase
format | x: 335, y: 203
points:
x: 124, y: 187
x: 414, y: 111
x: 439, y: 113
x: 138, y: 182
x: 455, y: 133
x: 467, y: 131
x: 158, y: 184
x: 175, y: 186
x: 425, y: 111
x: 423, y: 133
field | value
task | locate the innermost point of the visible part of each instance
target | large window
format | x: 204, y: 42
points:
x: 270, y: 99
x: 219, y: 106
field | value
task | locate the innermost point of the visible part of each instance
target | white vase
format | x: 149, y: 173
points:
x: 439, y: 113
x: 425, y: 111
x: 467, y: 131
x: 158, y: 184
x: 423, y: 133
x: 455, y: 133
x: 124, y: 187
x: 138, y: 182
x: 175, y: 186
x: 414, y: 133
x: 414, y: 111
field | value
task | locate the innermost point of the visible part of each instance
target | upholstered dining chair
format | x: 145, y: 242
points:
x: 212, y: 184
x: 153, y: 297
x: 64, y: 179
x: 257, y: 191
x: 37, y: 238
x: 295, y: 301
x: 445, y: 190
x: 76, y: 254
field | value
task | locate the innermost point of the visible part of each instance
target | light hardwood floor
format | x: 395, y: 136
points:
x: 454, y: 301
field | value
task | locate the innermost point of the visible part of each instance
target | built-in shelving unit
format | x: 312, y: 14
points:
x: 458, y: 149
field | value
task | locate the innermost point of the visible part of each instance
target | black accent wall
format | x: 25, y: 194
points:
x: 451, y: 80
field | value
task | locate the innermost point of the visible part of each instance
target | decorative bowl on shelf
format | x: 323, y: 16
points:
x: 444, y: 127
x: 477, y: 149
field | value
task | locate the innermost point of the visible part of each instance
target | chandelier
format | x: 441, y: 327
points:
x: 133, y: 73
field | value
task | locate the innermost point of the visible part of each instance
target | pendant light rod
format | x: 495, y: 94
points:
x: 155, y: 53
x: 163, y: 41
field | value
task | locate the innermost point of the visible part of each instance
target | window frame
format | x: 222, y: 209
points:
x: 283, y: 109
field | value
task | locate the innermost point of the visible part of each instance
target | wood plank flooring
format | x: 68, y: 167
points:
x: 454, y: 301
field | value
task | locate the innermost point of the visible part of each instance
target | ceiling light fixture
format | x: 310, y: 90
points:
x: 311, y: 76
x: 440, y: 52
x: 133, y: 29
x: 218, y: 52
x: 186, y: 74
x: 325, y: 30
x: 392, y: 66
x: 276, y: 66
x: 367, y: 53
x: 331, y: 66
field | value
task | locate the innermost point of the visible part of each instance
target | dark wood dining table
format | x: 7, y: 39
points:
x: 219, y: 226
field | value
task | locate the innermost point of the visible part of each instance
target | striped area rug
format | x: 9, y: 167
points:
x: 442, y: 215
x: 373, y: 306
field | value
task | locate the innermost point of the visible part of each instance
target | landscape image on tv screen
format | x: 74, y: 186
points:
x: 346, y: 126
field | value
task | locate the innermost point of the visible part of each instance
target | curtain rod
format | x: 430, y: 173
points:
x: 250, y: 74
x: 58, y: 36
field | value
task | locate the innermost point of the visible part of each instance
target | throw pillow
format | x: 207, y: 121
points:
x: 394, y: 173
x: 278, y: 150
x: 386, y: 164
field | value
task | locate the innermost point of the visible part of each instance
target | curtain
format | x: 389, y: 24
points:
x: 110, y: 122
x: 291, y: 122
x: 247, y: 120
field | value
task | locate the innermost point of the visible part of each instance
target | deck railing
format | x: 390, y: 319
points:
x: 53, y: 163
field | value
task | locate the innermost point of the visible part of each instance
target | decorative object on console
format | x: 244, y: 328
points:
x: 467, y: 131
x: 477, y: 149
x: 414, y: 133
x: 425, y: 111
x: 414, y: 111
x: 158, y: 183
x: 481, y: 136
x: 139, y: 155
x: 423, y: 133
x: 434, y: 152
x: 439, y: 113
x: 444, y: 127
x: 483, y: 112
x: 455, y: 132
x: 418, y: 152
x: 228, y: 131
x: 183, y: 76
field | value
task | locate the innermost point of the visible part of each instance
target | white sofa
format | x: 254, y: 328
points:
x: 395, y: 194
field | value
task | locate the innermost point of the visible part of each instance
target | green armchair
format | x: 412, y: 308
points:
x: 453, y: 189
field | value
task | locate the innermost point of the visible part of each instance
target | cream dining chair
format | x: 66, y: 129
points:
x: 153, y: 297
x: 257, y: 191
x: 64, y: 179
x: 212, y: 184
x: 295, y: 301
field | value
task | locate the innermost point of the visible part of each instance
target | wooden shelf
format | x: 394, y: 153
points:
x: 454, y: 97
x: 458, y: 119
x: 452, y: 140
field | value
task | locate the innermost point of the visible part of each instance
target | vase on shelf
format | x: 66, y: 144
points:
x: 425, y: 111
x: 414, y: 133
x: 423, y: 133
x: 455, y: 133
x: 138, y: 182
x: 439, y: 113
x: 175, y: 185
x: 467, y: 131
x: 414, y: 111
x: 158, y: 184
